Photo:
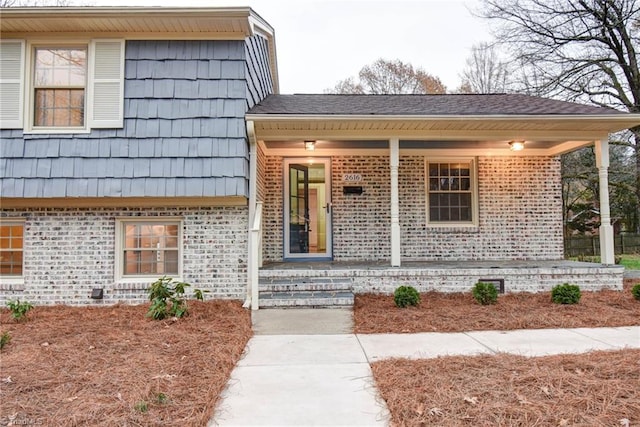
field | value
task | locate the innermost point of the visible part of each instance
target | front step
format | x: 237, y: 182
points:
x: 305, y: 292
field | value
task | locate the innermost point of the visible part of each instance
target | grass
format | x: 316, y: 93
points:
x: 107, y: 366
x: 631, y: 262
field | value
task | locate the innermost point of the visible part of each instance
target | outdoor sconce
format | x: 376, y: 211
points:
x: 516, y: 145
x: 309, y: 145
x: 97, y: 293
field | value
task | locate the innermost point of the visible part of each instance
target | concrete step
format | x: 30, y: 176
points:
x: 306, y: 298
x: 308, y: 284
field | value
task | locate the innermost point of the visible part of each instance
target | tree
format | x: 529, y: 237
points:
x: 390, y: 77
x: 580, y: 50
x: 484, y: 72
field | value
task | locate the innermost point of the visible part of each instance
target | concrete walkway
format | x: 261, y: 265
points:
x: 319, y: 378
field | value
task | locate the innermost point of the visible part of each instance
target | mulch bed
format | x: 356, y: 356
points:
x: 112, y: 366
x: 457, y: 312
x: 595, y: 389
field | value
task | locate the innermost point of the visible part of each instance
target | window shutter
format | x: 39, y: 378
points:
x: 106, y: 97
x: 11, y: 83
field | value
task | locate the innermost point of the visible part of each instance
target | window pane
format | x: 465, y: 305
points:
x: 59, y: 107
x: 151, y: 249
x: 449, y: 189
x: 60, y: 67
x: 11, y: 249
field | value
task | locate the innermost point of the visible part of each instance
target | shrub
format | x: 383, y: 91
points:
x: 167, y: 298
x: 19, y: 309
x: 485, y: 293
x: 406, y: 295
x: 5, y: 338
x: 565, y: 294
x: 635, y: 291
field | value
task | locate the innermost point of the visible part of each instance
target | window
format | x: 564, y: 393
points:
x: 451, y: 196
x: 149, y: 248
x: 60, y: 78
x: 65, y: 87
x: 11, y: 243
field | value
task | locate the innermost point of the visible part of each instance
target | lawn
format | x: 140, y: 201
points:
x: 107, y: 366
x: 631, y: 262
x: 458, y: 312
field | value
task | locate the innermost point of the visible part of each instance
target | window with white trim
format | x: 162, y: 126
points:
x: 149, y: 247
x: 11, y: 249
x: 451, y: 192
x: 61, y: 87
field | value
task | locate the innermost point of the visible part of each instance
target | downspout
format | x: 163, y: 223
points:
x: 253, y: 179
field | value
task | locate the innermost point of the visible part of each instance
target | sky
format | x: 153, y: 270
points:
x: 321, y: 42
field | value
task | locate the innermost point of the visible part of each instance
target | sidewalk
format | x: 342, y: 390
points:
x: 326, y: 379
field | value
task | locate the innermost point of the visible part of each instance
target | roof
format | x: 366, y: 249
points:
x: 139, y: 23
x: 452, y: 123
x: 423, y: 105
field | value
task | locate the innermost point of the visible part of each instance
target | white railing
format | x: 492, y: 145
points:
x: 255, y: 255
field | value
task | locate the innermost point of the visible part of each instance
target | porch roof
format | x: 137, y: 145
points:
x: 549, y: 127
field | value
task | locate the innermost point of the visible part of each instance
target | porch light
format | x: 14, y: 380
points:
x: 309, y: 145
x: 516, y: 145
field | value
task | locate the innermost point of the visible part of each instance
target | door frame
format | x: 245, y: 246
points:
x: 328, y: 254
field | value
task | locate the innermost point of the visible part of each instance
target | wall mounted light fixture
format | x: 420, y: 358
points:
x: 309, y: 145
x: 516, y: 145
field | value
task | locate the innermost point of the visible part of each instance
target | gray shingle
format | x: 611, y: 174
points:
x: 232, y: 70
x: 11, y: 147
x: 438, y: 105
x: 163, y: 88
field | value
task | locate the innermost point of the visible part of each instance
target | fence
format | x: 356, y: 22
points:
x: 590, y: 245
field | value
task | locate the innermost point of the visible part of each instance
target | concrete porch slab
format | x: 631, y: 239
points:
x: 304, y: 321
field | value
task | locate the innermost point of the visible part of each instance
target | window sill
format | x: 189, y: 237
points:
x: 138, y: 283
x: 12, y: 284
x: 454, y: 228
x: 55, y: 131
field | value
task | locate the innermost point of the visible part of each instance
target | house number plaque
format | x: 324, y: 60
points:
x: 351, y: 177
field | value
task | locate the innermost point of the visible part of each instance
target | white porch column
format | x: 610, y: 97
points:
x: 252, y: 261
x: 606, y: 229
x: 394, y: 160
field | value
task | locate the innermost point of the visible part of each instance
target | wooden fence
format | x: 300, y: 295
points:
x: 590, y: 245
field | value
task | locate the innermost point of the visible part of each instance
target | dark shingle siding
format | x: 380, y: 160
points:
x: 422, y: 105
x: 259, y: 79
x: 183, y: 132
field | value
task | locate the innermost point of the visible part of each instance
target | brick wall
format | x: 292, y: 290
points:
x: 520, y: 212
x: 67, y: 252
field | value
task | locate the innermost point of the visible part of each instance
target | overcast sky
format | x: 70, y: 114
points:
x: 321, y: 42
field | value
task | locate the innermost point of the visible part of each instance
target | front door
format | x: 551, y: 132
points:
x: 307, y: 200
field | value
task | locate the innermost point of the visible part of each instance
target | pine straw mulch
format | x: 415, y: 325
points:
x: 458, y: 312
x: 594, y: 389
x: 100, y: 366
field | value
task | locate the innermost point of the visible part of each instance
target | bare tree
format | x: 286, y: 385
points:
x: 390, y: 77
x: 577, y: 50
x: 484, y: 71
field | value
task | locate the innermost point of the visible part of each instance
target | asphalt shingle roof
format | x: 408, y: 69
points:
x: 422, y: 105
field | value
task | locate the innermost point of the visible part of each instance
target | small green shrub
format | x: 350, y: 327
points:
x: 565, y: 294
x: 485, y: 293
x: 406, y: 295
x: 635, y: 291
x: 168, y: 300
x: 161, y: 398
x: 141, y: 406
x: 19, y: 309
x: 5, y: 338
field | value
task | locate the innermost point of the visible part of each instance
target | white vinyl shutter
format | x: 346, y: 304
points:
x: 11, y: 83
x: 106, y: 95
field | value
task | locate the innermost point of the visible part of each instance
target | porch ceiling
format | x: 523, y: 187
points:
x: 490, y: 135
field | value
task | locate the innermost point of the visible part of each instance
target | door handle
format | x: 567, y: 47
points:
x: 328, y: 207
